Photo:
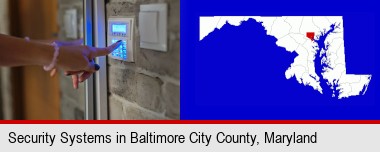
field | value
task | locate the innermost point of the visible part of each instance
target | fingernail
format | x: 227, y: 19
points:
x: 97, y: 67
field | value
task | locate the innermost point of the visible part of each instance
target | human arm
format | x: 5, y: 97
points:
x: 73, y: 58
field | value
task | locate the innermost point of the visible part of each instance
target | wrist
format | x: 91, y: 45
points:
x: 42, y: 53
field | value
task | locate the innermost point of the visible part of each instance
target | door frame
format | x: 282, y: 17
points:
x: 96, y: 106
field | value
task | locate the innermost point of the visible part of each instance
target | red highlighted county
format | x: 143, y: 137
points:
x: 310, y: 35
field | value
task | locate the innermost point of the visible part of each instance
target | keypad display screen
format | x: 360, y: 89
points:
x: 121, y: 51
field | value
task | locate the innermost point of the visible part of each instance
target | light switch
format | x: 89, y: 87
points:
x: 153, y: 27
x: 149, y: 27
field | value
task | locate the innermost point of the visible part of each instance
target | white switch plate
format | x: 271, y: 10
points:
x: 152, y: 27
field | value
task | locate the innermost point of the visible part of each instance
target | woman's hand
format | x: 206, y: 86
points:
x: 77, y: 59
x: 74, y: 58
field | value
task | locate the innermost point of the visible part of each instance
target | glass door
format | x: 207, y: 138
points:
x: 96, y: 86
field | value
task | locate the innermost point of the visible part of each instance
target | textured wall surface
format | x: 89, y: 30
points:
x: 149, y: 88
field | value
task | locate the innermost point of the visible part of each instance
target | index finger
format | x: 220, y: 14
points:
x: 107, y: 50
